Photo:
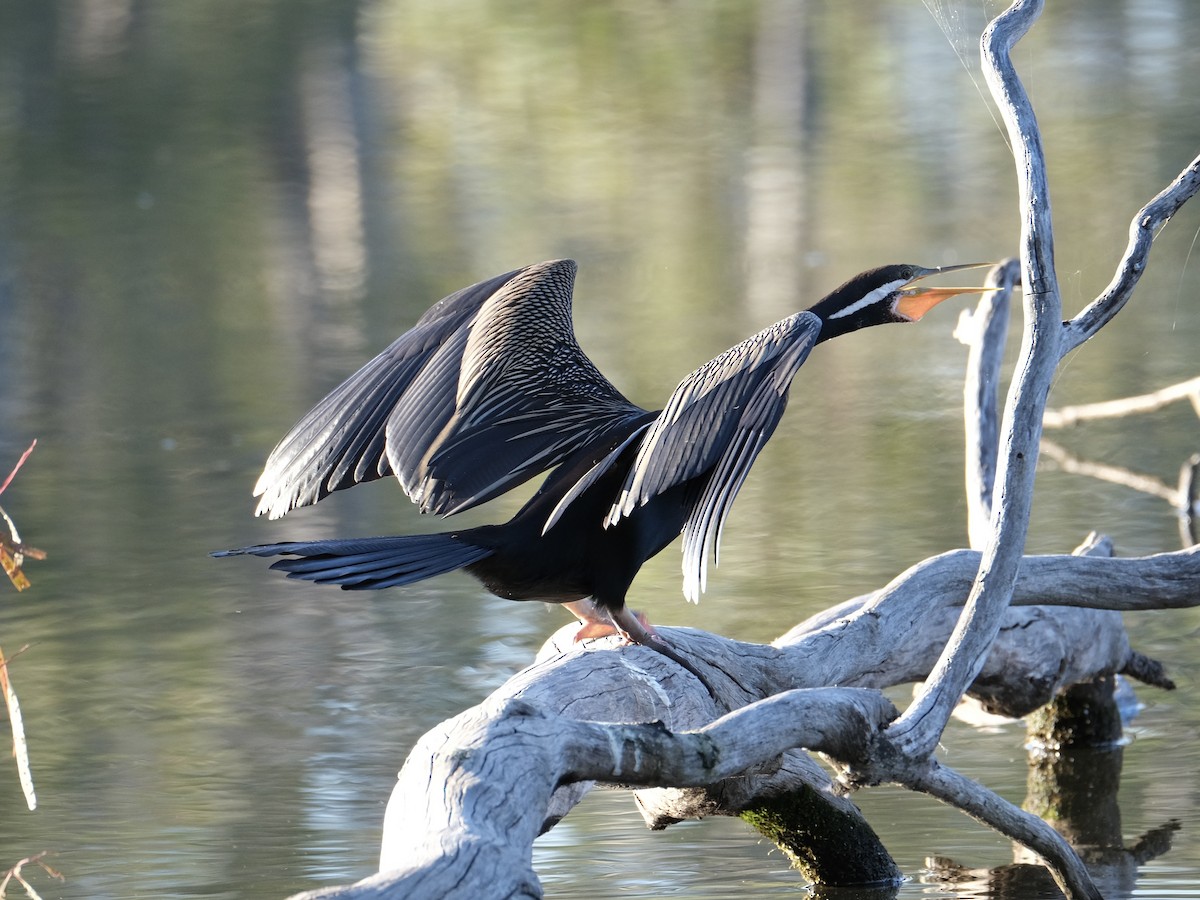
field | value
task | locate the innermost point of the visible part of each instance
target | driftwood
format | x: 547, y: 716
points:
x: 452, y: 819
x: 1010, y: 629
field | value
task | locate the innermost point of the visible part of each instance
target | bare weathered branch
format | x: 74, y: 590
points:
x: 981, y: 804
x: 1146, y: 484
x: 897, y: 634
x: 1149, y: 219
x: 467, y: 839
x: 15, y: 469
x: 15, y: 874
x: 17, y: 723
x: 1067, y: 416
x: 918, y: 730
x: 984, y: 331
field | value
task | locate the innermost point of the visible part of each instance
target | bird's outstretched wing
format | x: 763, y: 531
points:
x: 527, y: 397
x: 341, y: 441
x: 454, y: 407
x: 717, y: 421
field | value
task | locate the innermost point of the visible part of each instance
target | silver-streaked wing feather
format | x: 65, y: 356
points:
x: 526, y: 397
x: 717, y: 420
x: 589, y: 477
x: 341, y: 441
x: 488, y: 389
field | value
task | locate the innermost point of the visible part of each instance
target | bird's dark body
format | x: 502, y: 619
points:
x: 490, y: 388
x: 578, y: 557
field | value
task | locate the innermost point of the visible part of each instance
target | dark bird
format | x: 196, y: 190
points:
x: 490, y: 388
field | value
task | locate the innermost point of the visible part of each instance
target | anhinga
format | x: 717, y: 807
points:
x: 490, y: 388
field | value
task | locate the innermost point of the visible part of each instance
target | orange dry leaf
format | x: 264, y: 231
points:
x: 12, y: 551
x: 12, y: 567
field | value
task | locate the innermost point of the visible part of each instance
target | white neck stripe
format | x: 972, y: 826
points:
x: 874, y: 297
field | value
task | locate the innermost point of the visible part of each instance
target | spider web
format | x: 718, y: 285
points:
x: 962, y: 22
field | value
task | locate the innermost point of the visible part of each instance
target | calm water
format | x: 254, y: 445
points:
x: 211, y: 212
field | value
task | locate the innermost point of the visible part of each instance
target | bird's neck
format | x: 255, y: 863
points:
x: 835, y: 321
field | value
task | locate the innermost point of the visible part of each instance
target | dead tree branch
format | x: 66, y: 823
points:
x: 984, y: 331
x: 12, y: 557
x: 1067, y: 416
x: 1044, y: 344
x: 1146, y: 484
x: 1142, y: 230
x: 917, y: 731
x: 12, y: 550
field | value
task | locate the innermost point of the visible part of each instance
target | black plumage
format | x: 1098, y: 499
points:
x: 490, y: 388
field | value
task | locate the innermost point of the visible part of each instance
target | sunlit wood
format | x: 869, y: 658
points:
x: 17, y: 723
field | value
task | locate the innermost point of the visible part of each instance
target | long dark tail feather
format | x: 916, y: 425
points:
x: 370, y: 563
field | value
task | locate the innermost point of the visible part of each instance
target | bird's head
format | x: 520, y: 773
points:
x: 887, y: 294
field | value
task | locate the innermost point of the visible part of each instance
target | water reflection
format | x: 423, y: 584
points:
x: 210, y: 215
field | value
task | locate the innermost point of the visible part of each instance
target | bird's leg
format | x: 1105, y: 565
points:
x: 634, y: 627
x: 600, y: 622
x: 638, y: 630
x: 595, y: 622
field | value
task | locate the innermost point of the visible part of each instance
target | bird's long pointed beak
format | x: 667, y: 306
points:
x: 915, y: 301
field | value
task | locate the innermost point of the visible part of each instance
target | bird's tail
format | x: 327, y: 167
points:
x: 371, y: 563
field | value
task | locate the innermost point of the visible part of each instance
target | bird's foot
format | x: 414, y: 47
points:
x: 591, y: 630
x: 596, y: 622
x: 636, y: 628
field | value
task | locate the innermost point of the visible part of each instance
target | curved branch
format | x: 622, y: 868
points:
x: 917, y: 731
x: 1146, y: 484
x: 1160, y: 581
x: 452, y: 810
x: 1142, y: 229
x: 469, y: 840
x: 1033, y: 193
x: 982, y: 805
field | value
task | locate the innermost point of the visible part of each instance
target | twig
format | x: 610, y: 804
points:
x: 12, y: 551
x: 14, y: 874
x: 16, y: 468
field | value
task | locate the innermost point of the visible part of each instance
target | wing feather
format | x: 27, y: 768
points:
x: 526, y: 397
x: 341, y: 441
x: 715, y: 424
x: 488, y: 389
